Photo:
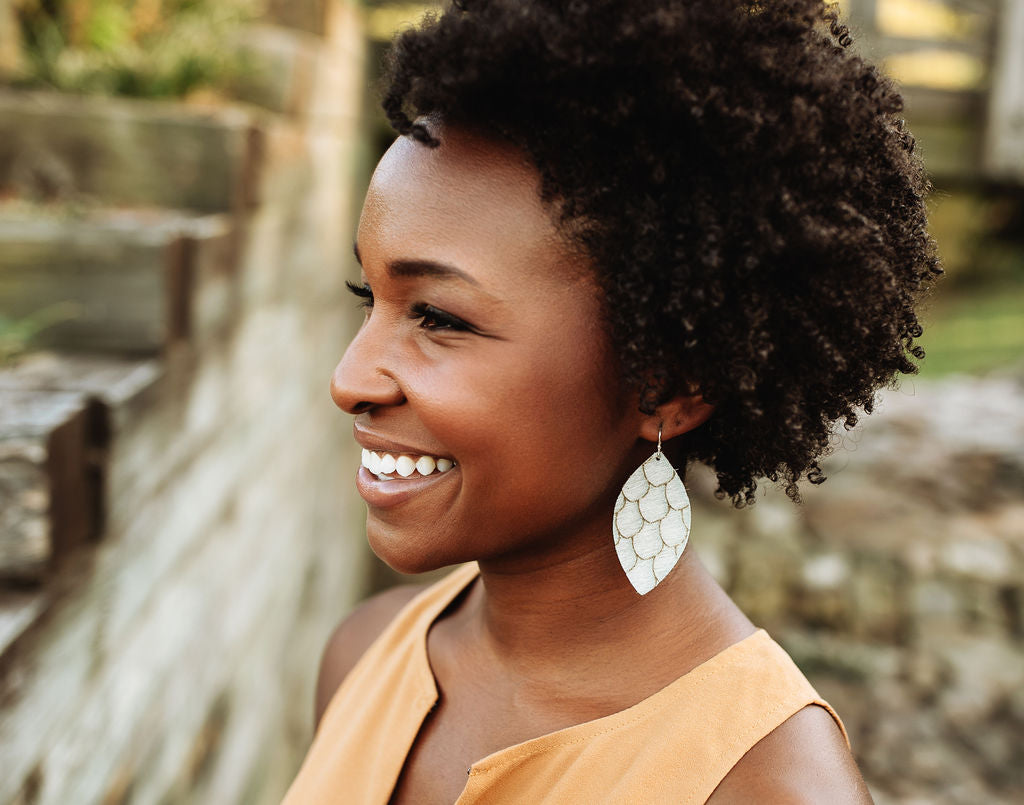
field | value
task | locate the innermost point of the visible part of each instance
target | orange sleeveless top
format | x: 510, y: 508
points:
x: 674, y: 746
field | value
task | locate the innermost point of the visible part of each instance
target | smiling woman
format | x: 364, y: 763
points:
x: 607, y: 226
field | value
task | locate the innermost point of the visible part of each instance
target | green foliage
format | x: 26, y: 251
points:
x: 974, y: 329
x: 975, y: 322
x: 17, y: 335
x: 139, y: 48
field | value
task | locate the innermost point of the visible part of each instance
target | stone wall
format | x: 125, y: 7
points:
x: 166, y: 650
x: 898, y: 586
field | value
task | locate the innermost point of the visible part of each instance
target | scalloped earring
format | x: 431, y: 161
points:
x: 651, y: 522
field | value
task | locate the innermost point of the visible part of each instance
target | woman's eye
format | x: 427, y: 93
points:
x: 431, y: 318
x: 363, y: 292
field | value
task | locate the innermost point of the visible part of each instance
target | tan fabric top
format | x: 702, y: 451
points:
x: 674, y: 746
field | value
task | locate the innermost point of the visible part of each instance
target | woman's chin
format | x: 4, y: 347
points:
x: 406, y: 554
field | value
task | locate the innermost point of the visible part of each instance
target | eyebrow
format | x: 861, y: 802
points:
x: 422, y: 268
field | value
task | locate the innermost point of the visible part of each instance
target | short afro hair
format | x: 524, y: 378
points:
x: 748, y: 194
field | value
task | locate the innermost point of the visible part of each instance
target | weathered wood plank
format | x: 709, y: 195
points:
x: 117, y: 282
x: 114, y: 380
x: 106, y: 282
x: 124, y: 152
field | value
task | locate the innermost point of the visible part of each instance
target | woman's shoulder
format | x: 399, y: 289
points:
x: 804, y: 760
x: 354, y: 635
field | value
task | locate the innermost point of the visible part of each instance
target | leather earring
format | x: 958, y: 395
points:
x: 651, y: 522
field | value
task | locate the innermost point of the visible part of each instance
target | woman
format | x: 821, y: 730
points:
x: 613, y: 238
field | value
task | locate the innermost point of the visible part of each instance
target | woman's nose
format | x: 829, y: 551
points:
x: 362, y: 379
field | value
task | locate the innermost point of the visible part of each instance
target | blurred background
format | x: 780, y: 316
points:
x: 179, y: 184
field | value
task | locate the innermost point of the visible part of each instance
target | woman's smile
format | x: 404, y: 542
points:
x: 391, y: 472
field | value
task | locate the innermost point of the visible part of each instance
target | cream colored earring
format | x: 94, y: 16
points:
x: 651, y: 523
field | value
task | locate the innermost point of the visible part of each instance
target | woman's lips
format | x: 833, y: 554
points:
x: 385, y: 493
x: 392, y: 473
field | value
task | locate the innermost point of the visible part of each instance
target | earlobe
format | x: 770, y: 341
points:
x: 676, y: 416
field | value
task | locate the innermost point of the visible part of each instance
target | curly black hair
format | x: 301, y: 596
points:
x: 750, y: 198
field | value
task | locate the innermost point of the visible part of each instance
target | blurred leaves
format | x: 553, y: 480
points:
x: 17, y: 335
x: 139, y: 48
x: 974, y: 330
x: 975, y: 322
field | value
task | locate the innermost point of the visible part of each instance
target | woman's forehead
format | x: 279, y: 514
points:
x: 469, y: 194
x: 465, y: 170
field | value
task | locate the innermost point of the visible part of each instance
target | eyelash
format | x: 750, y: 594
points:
x: 363, y: 292
x: 430, y: 317
x: 433, y: 319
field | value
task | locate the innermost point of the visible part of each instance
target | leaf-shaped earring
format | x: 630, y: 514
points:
x: 651, y: 522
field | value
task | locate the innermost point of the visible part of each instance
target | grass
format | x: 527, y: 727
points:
x: 973, y: 329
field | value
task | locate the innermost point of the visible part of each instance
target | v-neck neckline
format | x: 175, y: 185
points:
x: 572, y: 734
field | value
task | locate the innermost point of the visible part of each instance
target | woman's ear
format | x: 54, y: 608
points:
x: 675, y: 417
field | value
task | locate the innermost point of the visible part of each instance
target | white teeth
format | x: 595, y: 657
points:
x: 384, y: 464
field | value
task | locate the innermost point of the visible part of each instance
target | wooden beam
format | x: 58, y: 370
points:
x: 1004, y: 135
x: 121, y: 152
x: 113, y: 282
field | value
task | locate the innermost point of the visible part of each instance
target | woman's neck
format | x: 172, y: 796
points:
x: 563, y: 619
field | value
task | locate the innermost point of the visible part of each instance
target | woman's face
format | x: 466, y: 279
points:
x: 484, y: 345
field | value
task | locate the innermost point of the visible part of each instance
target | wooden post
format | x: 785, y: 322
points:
x: 50, y: 499
x: 1003, y: 158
